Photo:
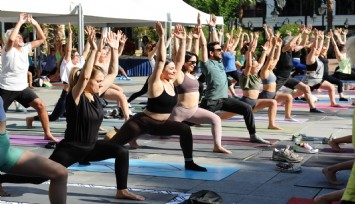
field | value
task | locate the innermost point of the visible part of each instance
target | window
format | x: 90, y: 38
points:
x: 345, y: 7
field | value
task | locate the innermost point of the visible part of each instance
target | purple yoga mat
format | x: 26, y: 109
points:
x: 28, y: 140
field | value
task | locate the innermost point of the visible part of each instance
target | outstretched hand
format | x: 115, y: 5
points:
x: 212, y: 22
x: 23, y: 18
x: 113, y: 39
x: 160, y: 29
x: 31, y: 20
x: 180, y: 32
x: 92, y: 38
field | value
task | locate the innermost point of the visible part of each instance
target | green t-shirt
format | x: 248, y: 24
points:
x: 216, y: 80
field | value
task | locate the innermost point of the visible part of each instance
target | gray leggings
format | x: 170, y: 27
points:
x: 199, y: 116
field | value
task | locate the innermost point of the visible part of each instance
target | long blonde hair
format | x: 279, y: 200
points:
x: 75, y: 74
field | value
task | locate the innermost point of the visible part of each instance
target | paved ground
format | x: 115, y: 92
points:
x: 257, y: 181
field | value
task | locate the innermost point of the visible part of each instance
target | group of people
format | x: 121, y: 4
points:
x: 174, y: 95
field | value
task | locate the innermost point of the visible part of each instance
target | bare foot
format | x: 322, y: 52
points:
x: 125, y: 194
x: 334, y: 146
x: 50, y: 137
x: 335, y: 105
x: 220, y: 149
x: 274, y: 128
x: 133, y: 144
x: 102, y: 129
x: 29, y: 121
x: 3, y: 193
x: 331, y: 176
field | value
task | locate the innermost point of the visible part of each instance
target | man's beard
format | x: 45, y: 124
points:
x: 217, y: 58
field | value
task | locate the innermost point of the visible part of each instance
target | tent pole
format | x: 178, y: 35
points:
x: 2, y: 29
x: 80, y: 28
x: 36, y: 50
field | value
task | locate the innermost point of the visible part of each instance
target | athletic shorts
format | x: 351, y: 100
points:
x: 289, y: 82
x: 24, y: 97
x: 8, y: 155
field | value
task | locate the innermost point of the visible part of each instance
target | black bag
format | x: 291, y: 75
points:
x: 205, y: 197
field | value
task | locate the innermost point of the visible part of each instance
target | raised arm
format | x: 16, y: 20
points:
x: 196, y: 39
x: 267, y: 34
x: 15, y: 31
x: 160, y: 61
x: 189, y: 42
x: 203, y: 45
x: 86, y: 48
x: 113, y: 40
x: 311, y: 57
x: 85, y: 73
x: 69, y: 44
x: 337, y: 52
x: 326, y: 44
x: 213, y: 31
x: 180, y: 55
x: 122, y: 38
x: 41, y: 38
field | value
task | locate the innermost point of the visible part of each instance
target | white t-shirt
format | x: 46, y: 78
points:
x: 66, y: 67
x: 13, y: 75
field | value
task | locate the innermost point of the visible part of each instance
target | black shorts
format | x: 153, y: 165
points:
x: 24, y: 97
x: 289, y: 82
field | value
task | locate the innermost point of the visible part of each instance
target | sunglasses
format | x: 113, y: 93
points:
x: 192, y: 62
x: 218, y: 50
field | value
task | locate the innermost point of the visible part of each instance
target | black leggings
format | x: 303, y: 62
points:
x: 234, y: 106
x: 335, y: 81
x: 67, y: 155
x: 143, y: 91
x: 59, y: 108
x: 343, y: 76
x: 141, y: 124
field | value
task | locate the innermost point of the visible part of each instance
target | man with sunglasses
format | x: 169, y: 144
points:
x: 216, y: 94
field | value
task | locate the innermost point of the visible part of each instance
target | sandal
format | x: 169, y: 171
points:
x: 288, y: 168
x: 51, y: 145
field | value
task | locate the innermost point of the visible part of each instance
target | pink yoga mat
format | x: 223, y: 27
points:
x: 28, y: 140
x: 206, y: 139
x: 321, y: 106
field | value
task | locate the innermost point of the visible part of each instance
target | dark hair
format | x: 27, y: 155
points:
x: 210, y: 47
x: 167, y: 61
x: 244, y: 49
x: 72, y: 54
x: 341, y: 47
x: 188, y: 56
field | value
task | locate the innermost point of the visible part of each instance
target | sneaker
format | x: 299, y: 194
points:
x: 315, y: 110
x: 127, y: 79
x: 288, y: 168
x: 285, y: 155
x: 304, y: 148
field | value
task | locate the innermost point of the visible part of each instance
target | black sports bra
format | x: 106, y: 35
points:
x: 163, y: 103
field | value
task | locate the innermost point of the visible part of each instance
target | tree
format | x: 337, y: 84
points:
x: 330, y: 5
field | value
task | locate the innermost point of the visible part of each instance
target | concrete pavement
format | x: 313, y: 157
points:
x: 257, y: 181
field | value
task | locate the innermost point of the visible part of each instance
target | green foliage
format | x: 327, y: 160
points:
x: 291, y: 27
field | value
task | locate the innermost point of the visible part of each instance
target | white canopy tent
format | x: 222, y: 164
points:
x: 115, y: 13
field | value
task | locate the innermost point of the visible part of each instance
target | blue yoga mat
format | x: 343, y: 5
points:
x: 162, y: 169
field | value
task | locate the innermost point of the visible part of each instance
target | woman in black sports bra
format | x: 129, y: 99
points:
x: 161, y: 101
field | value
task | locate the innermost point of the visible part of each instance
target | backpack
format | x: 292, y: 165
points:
x: 205, y: 197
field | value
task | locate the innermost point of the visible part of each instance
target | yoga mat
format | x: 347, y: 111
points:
x: 162, y: 169
x: 295, y: 200
x: 326, y: 100
x: 323, y: 161
x: 265, y: 119
x: 60, y: 128
x: 319, y: 181
x: 322, y: 106
x: 208, y: 139
x: 81, y: 193
x: 28, y: 140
